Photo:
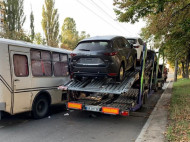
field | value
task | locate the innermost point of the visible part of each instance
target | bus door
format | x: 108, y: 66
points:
x: 21, y: 79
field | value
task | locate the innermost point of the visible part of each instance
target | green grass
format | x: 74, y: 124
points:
x: 179, y: 119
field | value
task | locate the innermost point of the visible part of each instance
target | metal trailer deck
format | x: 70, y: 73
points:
x: 107, y: 85
x: 110, y: 97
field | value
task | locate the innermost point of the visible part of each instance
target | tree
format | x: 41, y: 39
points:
x: 167, y: 24
x: 14, y: 19
x: 133, y: 10
x: 50, y: 23
x: 69, y: 34
x: 32, y: 33
x: 83, y: 35
x: 38, y: 38
x: 171, y: 27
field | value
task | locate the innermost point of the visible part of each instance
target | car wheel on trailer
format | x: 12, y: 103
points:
x: 40, y: 107
x: 134, y: 64
x: 121, y: 73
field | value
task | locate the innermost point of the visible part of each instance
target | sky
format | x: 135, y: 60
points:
x: 96, y: 17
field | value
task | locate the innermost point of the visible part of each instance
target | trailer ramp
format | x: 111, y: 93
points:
x: 106, y: 85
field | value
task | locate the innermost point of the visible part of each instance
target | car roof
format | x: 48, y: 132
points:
x: 110, y: 37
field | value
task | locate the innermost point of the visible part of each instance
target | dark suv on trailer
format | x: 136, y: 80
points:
x: 103, y: 56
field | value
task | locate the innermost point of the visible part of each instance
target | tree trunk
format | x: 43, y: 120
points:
x: 183, y: 69
x: 176, y: 68
x: 187, y: 68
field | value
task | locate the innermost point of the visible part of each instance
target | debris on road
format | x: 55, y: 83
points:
x: 66, y: 114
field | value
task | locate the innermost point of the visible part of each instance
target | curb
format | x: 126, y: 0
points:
x: 154, y: 128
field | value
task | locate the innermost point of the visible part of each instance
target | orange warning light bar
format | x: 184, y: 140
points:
x: 110, y: 110
x: 74, y: 105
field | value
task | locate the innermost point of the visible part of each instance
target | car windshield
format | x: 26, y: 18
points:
x: 132, y: 41
x: 92, y: 45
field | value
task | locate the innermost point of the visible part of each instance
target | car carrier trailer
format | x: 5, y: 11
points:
x: 110, y: 97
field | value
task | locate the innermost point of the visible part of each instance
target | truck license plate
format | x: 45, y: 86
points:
x: 93, y: 108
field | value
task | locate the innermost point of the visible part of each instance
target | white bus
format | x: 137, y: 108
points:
x: 29, y: 77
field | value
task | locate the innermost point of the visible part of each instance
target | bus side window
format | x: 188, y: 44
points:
x: 46, y: 63
x: 41, y: 63
x: 60, y: 64
x: 20, y: 65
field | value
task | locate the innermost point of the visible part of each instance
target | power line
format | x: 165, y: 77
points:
x: 111, y: 11
x: 101, y: 9
x: 116, y: 28
x: 105, y: 5
x: 98, y: 16
x: 108, y: 15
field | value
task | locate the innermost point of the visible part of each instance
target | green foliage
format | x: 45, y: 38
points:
x: 83, y: 35
x: 32, y: 34
x: 14, y: 17
x: 13, y: 21
x: 50, y: 23
x: 133, y: 10
x: 38, y: 39
x: 69, y: 34
x: 171, y: 29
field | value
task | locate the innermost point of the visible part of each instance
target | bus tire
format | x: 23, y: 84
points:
x: 40, y: 107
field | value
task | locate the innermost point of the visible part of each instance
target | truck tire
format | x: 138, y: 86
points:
x: 40, y: 107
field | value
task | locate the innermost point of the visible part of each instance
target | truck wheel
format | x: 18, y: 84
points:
x: 121, y: 74
x: 40, y: 107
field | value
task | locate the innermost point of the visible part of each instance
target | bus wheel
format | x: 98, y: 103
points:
x: 40, y: 107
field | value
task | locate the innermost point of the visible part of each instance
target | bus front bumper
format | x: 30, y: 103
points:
x: 2, y: 106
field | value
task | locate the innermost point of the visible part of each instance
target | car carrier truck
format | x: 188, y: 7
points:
x: 116, y: 98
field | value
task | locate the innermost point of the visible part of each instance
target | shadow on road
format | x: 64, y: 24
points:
x: 59, y: 111
x: 16, y: 119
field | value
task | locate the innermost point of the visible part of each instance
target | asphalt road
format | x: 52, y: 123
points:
x: 76, y: 126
